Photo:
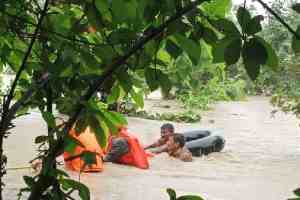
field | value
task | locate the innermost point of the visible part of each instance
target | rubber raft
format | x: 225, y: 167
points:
x: 203, y: 142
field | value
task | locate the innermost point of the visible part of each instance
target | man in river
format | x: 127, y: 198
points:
x: 166, y: 130
x: 176, y: 148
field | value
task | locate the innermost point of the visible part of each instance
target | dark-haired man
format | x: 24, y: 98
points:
x: 166, y: 130
x: 176, y: 148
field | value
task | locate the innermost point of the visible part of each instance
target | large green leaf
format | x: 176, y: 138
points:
x: 29, y: 181
x: 138, y: 98
x: 217, y: 8
x: 233, y: 51
x: 254, y: 55
x: 218, y: 50
x: 114, y: 95
x: 81, y: 124
x: 297, y: 192
x: 152, y: 79
x: 124, y: 10
x: 189, y: 197
x: 88, y: 157
x: 173, y: 49
x: 273, y: 60
x: 209, y: 36
x: 124, y: 80
x: 296, y: 7
x: 171, y: 193
x: 98, y: 129
x: 103, y: 7
x: 192, y: 48
x: 243, y: 17
x: 122, y: 35
x: 226, y: 27
x: 296, y: 41
x: 70, y: 144
x: 254, y: 25
x: 83, y: 190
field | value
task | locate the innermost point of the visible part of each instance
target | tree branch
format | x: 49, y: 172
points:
x: 288, y: 27
x: 23, y: 65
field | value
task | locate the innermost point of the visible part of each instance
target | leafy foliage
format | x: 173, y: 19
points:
x: 173, y: 196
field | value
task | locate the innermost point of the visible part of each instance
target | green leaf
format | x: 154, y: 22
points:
x: 243, y: 17
x: 296, y: 7
x: 103, y: 7
x: 97, y: 126
x: 233, y: 51
x: 226, y: 27
x: 254, y: 26
x: 122, y: 35
x: 218, y: 50
x: 273, y: 60
x: 173, y: 49
x: 125, y: 80
x: 297, y: 192
x: 40, y: 139
x: 83, y: 190
x: 209, y: 36
x: 254, y: 54
x: 151, y: 76
x: 49, y: 118
x: 114, y: 95
x: 71, y: 143
x: 88, y: 157
x: 81, y: 124
x: 105, y: 53
x: 217, y: 8
x: 296, y: 42
x: 192, y: 48
x: 29, y: 181
x: 61, y: 173
x: 172, y: 194
x: 189, y: 197
x: 138, y: 98
x: 124, y: 10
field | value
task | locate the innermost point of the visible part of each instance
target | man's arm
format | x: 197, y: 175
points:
x: 158, y: 143
x: 161, y: 149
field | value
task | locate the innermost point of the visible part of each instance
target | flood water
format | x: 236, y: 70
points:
x: 261, y: 159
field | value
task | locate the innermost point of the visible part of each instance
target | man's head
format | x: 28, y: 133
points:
x: 175, y: 141
x: 166, y: 130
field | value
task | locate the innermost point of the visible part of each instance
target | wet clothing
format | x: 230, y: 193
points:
x: 119, y: 148
x: 182, y: 153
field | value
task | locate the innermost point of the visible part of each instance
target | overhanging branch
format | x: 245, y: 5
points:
x: 286, y: 25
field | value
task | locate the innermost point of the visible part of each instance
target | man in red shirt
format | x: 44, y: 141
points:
x: 166, y: 130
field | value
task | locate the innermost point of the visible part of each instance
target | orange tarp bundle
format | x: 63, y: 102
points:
x: 136, y: 156
x: 88, y: 140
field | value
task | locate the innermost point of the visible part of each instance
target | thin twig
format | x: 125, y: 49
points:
x: 286, y: 25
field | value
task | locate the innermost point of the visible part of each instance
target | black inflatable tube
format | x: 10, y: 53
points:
x: 206, y: 145
x: 197, y: 134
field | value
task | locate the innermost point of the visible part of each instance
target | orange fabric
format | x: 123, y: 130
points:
x: 88, y: 139
x: 136, y: 156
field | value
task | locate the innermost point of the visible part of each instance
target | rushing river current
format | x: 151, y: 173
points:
x: 261, y: 159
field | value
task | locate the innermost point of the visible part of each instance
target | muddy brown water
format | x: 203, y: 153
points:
x: 261, y: 159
